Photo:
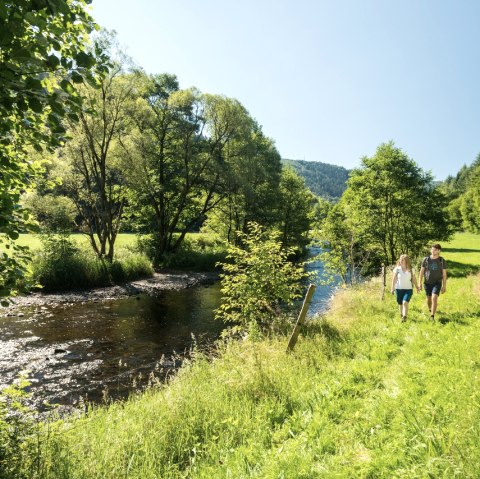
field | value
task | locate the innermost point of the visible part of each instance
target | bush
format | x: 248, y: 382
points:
x: 63, y: 265
x: 16, y: 428
x: 260, y: 280
x: 198, y: 252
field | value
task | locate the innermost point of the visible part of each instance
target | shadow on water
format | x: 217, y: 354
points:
x: 77, y: 351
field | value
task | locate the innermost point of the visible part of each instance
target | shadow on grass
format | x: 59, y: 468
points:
x: 461, y: 270
x: 313, y: 328
x: 457, y: 318
x: 453, y: 318
x: 460, y: 250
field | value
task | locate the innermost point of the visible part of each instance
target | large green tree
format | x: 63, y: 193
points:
x: 295, y: 209
x: 93, y: 175
x: 179, y: 158
x: 43, y: 54
x: 251, y: 187
x: 390, y: 207
x: 469, y: 202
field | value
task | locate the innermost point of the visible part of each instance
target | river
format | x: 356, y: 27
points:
x: 101, y: 350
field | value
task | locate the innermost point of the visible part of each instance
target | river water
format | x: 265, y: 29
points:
x: 94, y: 351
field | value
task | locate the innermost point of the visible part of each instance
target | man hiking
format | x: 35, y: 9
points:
x: 434, y: 269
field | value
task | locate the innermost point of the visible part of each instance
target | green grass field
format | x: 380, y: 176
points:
x: 362, y: 396
x: 34, y: 242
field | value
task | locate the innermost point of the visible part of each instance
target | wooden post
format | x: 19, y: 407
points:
x: 384, y: 280
x: 301, y: 317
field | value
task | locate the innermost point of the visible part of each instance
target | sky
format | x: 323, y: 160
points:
x: 328, y: 80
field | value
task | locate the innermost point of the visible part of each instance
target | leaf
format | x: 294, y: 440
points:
x: 33, y: 83
x: 76, y: 77
x: 53, y: 61
x: 35, y: 104
x: 85, y: 60
x: 67, y: 87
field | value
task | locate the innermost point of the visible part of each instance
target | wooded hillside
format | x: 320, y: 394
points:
x: 323, y: 179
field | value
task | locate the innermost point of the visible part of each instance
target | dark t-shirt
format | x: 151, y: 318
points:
x: 433, y: 269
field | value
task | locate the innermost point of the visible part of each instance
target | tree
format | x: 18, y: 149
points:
x: 251, y: 185
x: 469, y: 203
x: 347, y: 253
x: 259, y: 280
x: 178, y: 160
x: 295, y: 209
x: 42, y: 56
x: 390, y: 207
x: 94, y: 177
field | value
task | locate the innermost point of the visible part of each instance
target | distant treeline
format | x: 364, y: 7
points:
x: 324, y: 180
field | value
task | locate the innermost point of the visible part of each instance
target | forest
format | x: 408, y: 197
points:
x: 92, y: 144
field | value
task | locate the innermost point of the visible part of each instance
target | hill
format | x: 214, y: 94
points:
x: 327, y: 181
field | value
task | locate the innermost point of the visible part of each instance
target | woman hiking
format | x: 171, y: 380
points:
x: 403, y: 281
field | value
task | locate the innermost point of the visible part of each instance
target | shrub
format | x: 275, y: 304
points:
x: 63, y: 265
x: 260, y: 279
x: 16, y: 428
x: 198, y: 252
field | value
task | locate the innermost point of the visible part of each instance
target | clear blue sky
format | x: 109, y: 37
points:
x: 327, y: 80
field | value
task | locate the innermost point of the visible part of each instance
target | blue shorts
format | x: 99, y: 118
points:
x: 404, y: 295
x: 433, y: 288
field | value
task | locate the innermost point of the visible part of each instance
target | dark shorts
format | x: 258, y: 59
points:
x: 433, y: 288
x: 403, y: 295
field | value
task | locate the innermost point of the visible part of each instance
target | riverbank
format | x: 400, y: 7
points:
x: 151, y: 286
x: 362, y: 395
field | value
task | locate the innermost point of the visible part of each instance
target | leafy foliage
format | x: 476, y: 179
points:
x: 259, y: 279
x: 16, y: 428
x: 42, y: 56
x: 390, y: 207
x: 469, y: 202
x: 295, y: 209
x: 62, y: 264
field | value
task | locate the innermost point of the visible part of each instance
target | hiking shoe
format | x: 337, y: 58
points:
x: 404, y: 319
x: 432, y: 318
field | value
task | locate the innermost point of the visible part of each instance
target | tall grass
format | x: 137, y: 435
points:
x: 62, y: 264
x: 362, y: 396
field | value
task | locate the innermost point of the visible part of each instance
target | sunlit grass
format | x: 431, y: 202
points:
x: 361, y: 396
x: 34, y: 241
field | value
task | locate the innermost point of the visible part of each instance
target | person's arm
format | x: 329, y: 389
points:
x: 414, y: 281
x: 394, y: 277
x: 444, y: 285
x: 420, y: 277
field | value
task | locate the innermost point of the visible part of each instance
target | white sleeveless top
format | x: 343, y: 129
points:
x: 404, y: 278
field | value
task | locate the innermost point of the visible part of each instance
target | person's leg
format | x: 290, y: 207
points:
x: 399, y: 295
x: 405, y: 301
x: 433, y: 309
x: 428, y: 292
x: 435, y: 294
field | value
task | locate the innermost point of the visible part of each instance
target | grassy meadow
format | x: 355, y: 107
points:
x: 34, y: 242
x: 361, y: 396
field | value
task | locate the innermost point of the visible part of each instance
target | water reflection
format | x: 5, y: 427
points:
x: 75, y: 351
